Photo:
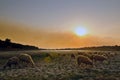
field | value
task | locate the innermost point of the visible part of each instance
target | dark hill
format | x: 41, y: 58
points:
x: 98, y: 48
x: 103, y: 48
x: 8, y: 45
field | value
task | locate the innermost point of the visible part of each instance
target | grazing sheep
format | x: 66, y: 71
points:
x: 107, y: 55
x: 100, y: 58
x: 112, y: 54
x: 80, y: 53
x: 12, y: 61
x: 73, y: 56
x: 64, y: 55
x: 84, y: 59
x: 84, y: 54
x: 26, y: 60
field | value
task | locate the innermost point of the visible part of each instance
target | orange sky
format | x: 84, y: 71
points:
x: 47, y: 39
x: 51, y: 23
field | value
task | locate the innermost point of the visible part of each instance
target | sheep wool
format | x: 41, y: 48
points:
x: 84, y: 59
x: 12, y: 61
x: 27, y: 59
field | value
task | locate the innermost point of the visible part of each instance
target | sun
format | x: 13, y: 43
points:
x: 80, y: 31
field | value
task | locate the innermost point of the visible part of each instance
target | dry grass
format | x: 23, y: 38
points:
x: 54, y: 65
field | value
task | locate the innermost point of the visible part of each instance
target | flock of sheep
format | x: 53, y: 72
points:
x: 25, y: 60
x: 91, y: 58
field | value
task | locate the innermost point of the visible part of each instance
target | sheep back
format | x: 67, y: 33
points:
x: 11, y: 61
x: 99, y: 58
x: 84, y: 59
x: 26, y: 58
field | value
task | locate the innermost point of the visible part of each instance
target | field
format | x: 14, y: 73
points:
x: 59, y: 65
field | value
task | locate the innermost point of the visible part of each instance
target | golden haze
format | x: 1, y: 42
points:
x: 47, y: 39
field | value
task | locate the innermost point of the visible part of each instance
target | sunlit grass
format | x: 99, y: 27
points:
x: 53, y: 65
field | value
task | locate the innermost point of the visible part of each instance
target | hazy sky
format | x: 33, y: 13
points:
x: 51, y: 23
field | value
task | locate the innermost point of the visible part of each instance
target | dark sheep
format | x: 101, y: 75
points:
x: 84, y: 59
x: 99, y: 58
x: 73, y: 56
x: 12, y: 61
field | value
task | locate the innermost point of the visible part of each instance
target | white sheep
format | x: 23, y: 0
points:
x: 84, y: 59
x: 26, y: 60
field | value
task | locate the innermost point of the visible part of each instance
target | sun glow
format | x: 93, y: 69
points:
x: 80, y: 31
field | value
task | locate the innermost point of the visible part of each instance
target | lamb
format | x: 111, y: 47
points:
x: 12, y: 61
x: 84, y: 59
x: 26, y: 60
x: 99, y: 58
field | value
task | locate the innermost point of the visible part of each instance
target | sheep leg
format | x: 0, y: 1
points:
x: 4, y: 67
x: 9, y: 66
x: 16, y: 65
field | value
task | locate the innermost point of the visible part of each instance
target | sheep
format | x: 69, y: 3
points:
x: 63, y: 55
x: 80, y: 53
x: 26, y: 60
x: 84, y: 54
x: 112, y: 54
x: 12, y: 61
x: 73, y: 56
x: 107, y: 55
x: 99, y: 58
x: 84, y: 59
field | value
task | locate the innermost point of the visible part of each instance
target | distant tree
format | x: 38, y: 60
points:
x: 116, y: 45
x: 7, y: 43
x: 7, y: 40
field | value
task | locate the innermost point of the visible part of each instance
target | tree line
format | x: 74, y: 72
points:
x: 8, y: 45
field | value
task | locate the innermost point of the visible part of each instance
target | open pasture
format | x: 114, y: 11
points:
x: 63, y: 65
